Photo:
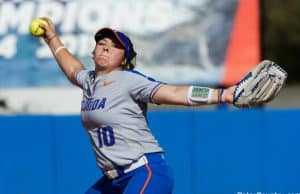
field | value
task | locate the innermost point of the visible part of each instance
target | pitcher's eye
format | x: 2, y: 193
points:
x: 110, y: 45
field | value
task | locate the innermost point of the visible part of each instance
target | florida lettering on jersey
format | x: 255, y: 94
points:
x: 91, y: 105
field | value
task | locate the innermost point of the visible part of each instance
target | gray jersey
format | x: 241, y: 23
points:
x: 113, y: 111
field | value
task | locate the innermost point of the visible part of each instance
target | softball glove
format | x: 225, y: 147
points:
x: 260, y: 85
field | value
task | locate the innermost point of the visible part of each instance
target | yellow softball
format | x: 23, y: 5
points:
x: 34, y: 27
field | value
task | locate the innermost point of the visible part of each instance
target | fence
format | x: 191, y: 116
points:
x: 210, y: 152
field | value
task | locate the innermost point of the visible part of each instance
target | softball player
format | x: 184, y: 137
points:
x: 113, y: 112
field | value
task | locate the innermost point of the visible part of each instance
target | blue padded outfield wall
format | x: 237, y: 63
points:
x: 210, y: 152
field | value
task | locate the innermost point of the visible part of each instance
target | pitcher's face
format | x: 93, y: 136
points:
x: 108, y: 56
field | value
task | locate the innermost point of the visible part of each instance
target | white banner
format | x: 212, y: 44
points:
x: 177, y: 41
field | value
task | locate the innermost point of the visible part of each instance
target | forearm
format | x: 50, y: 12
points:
x: 173, y: 95
x: 66, y: 61
x: 180, y: 95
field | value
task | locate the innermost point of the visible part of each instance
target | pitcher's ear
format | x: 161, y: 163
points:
x: 124, y: 61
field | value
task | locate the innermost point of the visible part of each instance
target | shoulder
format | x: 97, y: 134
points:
x: 84, y: 76
x: 85, y: 73
x: 134, y: 74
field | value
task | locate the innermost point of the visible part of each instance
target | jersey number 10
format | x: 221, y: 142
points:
x: 106, y: 136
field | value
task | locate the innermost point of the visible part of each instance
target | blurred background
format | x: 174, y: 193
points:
x: 214, y: 43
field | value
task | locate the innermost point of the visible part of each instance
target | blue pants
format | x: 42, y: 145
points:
x: 152, y: 178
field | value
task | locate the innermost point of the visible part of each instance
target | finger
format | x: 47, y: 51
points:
x: 275, y: 91
x: 47, y: 19
x: 43, y: 26
x: 271, y: 93
x: 278, y: 77
x: 260, y: 90
x: 258, y: 83
x: 265, y: 88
